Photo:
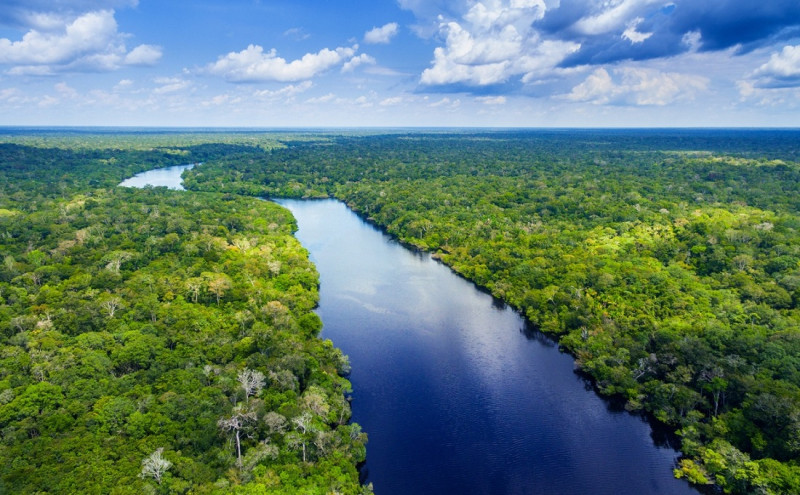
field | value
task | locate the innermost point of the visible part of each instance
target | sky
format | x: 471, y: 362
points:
x: 400, y: 63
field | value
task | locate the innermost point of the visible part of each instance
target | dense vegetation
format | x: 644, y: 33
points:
x: 667, y: 262
x: 156, y: 341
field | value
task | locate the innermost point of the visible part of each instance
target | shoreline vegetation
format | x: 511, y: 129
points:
x: 158, y: 341
x: 666, y: 261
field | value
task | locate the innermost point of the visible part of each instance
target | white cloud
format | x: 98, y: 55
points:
x: 693, y: 40
x: 223, y: 99
x: 783, y: 97
x: 321, y: 99
x: 597, y: 88
x: 614, y: 15
x: 492, y: 100
x: 65, y: 90
x: 92, y: 32
x: 253, y: 65
x: 651, y: 87
x: 356, y: 61
x: 446, y: 102
x: 297, y: 34
x: 123, y: 84
x: 637, y: 86
x: 89, y: 42
x: 363, y: 102
x: 8, y: 93
x: 383, y: 34
x: 391, y: 101
x: 30, y: 70
x: 493, y: 42
x: 782, y: 65
x: 775, y: 83
x: 285, y: 92
x: 634, y: 36
x: 48, y: 101
x: 50, y: 14
x: 170, y: 85
x: 143, y: 55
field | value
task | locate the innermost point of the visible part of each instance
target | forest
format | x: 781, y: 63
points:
x: 666, y: 261
x: 164, y: 341
x: 159, y: 341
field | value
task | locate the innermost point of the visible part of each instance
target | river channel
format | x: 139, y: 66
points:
x: 456, y: 393
x: 169, y: 177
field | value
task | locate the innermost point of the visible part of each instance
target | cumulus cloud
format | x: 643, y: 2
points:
x: 92, y: 32
x: 484, y: 41
x: 782, y: 69
x: 637, y: 86
x: 49, y: 14
x: 383, y: 34
x: 143, y: 55
x: 254, y: 65
x: 356, y: 61
x: 597, y: 88
x: 492, y: 43
x: 123, y: 84
x: 89, y: 42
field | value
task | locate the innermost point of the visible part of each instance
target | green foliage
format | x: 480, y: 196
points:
x: 667, y: 262
x: 126, y: 320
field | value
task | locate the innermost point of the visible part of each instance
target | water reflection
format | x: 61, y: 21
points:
x: 169, y: 177
x: 458, y: 393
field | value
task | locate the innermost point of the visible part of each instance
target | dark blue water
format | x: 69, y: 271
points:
x: 456, y: 396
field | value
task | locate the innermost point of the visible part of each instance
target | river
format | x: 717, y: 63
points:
x: 456, y: 393
x: 169, y: 177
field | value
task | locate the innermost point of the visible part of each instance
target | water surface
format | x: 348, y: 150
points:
x: 160, y: 177
x: 455, y: 394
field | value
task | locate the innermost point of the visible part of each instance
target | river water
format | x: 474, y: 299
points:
x: 161, y: 177
x: 456, y: 394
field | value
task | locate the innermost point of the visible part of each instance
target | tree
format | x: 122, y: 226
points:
x: 218, y: 283
x: 237, y: 424
x: 303, y: 429
x: 194, y: 285
x: 115, y: 260
x: 154, y: 466
x: 276, y: 423
x: 111, y: 305
x: 252, y: 382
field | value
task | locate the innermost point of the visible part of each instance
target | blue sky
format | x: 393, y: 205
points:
x: 281, y: 63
